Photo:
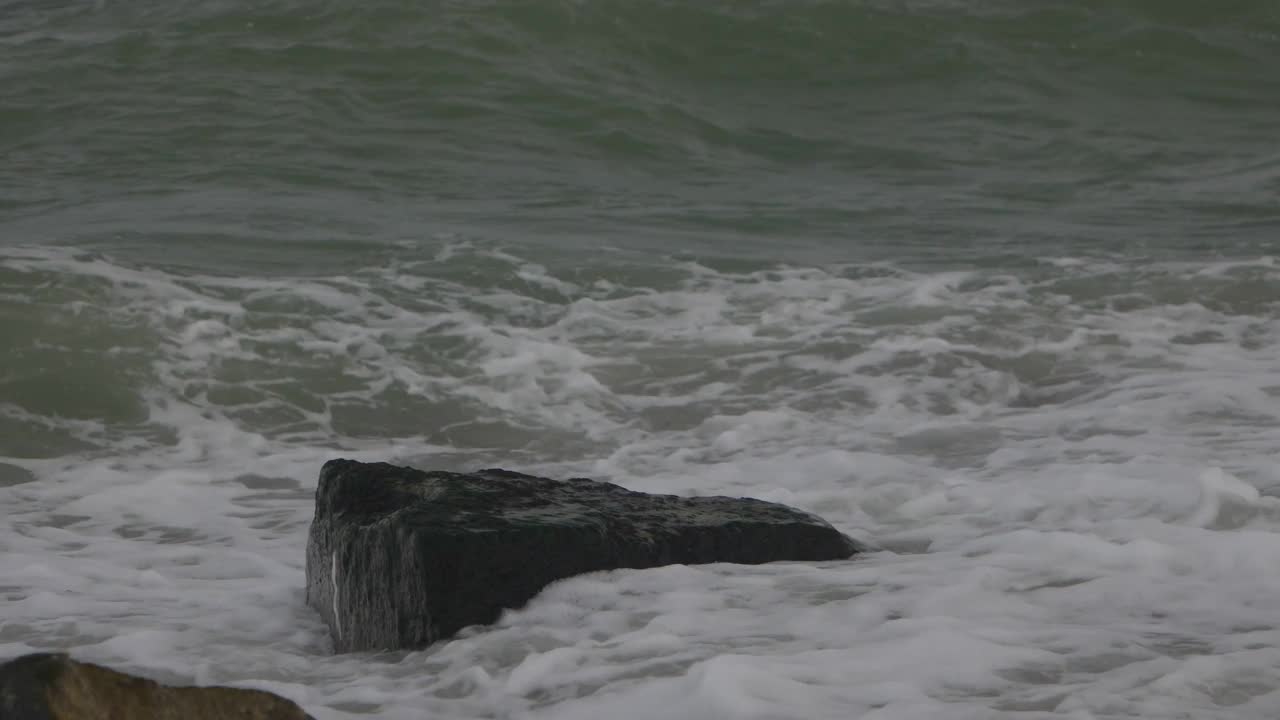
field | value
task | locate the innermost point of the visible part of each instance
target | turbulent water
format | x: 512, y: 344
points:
x: 990, y: 285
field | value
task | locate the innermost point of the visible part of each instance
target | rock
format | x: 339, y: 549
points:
x: 52, y: 686
x: 14, y: 475
x: 399, y: 558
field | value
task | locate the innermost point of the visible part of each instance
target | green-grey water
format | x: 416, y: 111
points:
x: 810, y: 129
x: 990, y: 285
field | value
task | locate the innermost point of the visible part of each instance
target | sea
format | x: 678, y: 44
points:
x: 991, y: 285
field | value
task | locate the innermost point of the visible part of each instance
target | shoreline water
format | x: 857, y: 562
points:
x: 991, y: 285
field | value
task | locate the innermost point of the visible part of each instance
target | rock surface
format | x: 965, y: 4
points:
x: 14, y: 475
x: 401, y: 558
x: 52, y: 686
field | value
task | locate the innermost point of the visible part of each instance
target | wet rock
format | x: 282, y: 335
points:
x: 401, y: 558
x: 14, y: 475
x: 53, y: 686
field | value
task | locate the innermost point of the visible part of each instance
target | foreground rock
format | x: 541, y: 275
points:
x: 51, y: 686
x: 400, y: 558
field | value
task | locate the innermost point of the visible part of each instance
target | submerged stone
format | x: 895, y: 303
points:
x: 401, y: 558
x: 53, y: 686
x: 14, y: 475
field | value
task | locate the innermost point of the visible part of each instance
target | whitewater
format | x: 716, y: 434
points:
x: 1069, y: 469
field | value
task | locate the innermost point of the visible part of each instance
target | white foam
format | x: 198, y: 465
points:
x: 1074, y: 472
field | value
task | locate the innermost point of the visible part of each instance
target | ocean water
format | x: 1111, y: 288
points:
x: 990, y: 285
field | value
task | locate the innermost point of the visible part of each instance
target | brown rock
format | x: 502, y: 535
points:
x: 52, y: 686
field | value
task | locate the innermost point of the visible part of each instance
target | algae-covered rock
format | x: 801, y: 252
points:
x: 53, y: 686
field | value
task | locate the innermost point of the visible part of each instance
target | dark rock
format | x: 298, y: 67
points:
x: 401, y: 558
x: 52, y: 686
x: 14, y: 475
